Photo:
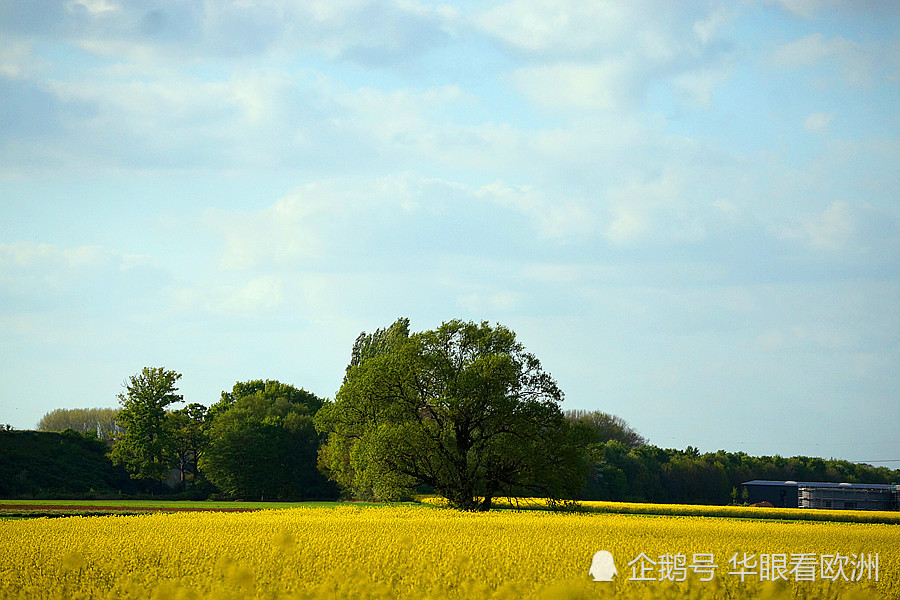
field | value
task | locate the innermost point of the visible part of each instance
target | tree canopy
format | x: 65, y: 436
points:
x: 262, y: 443
x: 463, y: 409
x: 597, y: 427
x: 144, y: 448
x: 187, y: 432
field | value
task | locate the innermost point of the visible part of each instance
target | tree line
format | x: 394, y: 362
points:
x: 258, y: 441
x: 64, y: 465
x: 464, y: 411
x: 647, y: 473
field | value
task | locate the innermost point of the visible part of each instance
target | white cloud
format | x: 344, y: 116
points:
x: 571, y: 29
x: 833, y: 229
x: 804, y: 8
x: 18, y: 60
x: 165, y: 116
x: 660, y: 209
x: 806, y: 52
x: 553, y: 218
x: 287, y: 231
x: 255, y: 296
x: 830, y: 231
x: 707, y: 28
x: 482, y: 302
x: 94, y: 6
x: 336, y: 219
x: 254, y: 119
x: 818, y: 122
x: 697, y: 86
x: 365, y: 31
x: 546, y: 25
x: 156, y: 119
x: 80, y: 278
x: 28, y: 255
x: 406, y: 119
x: 330, y: 219
x: 854, y: 61
x: 626, y: 224
x: 604, y: 56
x: 607, y: 85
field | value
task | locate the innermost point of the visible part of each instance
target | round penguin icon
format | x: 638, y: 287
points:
x: 603, y: 567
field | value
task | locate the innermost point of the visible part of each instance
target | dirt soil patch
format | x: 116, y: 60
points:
x: 68, y: 510
x: 79, y: 507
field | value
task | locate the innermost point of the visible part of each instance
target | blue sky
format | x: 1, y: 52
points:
x: 688, y: 211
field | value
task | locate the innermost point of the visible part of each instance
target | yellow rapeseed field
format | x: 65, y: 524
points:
x: 702, y: 510
x: 419, y: 552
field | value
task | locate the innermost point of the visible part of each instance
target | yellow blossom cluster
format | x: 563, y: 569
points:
x: 700, y: 510
x: 413, y: 552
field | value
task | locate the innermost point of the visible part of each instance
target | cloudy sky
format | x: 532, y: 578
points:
x: 688, y: 211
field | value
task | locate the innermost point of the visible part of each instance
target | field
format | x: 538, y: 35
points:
x: 703, y: 510
x: 350, y: 551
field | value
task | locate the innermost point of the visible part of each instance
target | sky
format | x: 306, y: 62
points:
x: 688, y: 211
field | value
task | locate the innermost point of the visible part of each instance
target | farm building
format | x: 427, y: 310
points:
x: 812, y: 494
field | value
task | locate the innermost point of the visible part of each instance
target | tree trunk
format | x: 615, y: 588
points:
x: 462, y: 498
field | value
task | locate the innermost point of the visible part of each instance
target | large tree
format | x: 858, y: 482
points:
x: 144, y: 448
x: 262, y: 443
x: 463, y: 409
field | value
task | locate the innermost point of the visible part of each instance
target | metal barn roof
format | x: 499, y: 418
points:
x: 821, y: 484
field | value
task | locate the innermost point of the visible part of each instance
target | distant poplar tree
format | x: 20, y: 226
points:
x: 99, y: 421
x: 601, y: 427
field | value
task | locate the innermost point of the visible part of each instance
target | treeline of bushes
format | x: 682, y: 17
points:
x: 259, y: 442
x: 38, y: 464
x: 646, y: 473
x: 77, y: 465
